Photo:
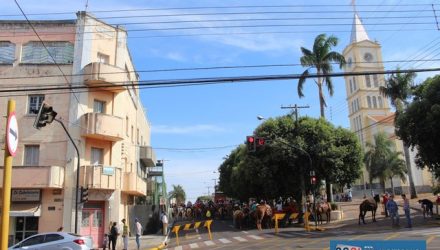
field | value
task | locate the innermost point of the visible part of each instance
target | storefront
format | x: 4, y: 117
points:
x: 92, y: 222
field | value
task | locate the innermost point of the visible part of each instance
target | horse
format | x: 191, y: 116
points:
x: 263, y: 213
x: 238, y: 218
x: 369, y: 204
x: 323, y: 208
x: 188, y: 213
x: 427, y: 207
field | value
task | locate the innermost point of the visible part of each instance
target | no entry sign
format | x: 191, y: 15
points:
x: 12, y: 134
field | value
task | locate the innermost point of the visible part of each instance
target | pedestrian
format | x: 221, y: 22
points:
x: 138, y: 232
x: 384, y: 202
x: 105, y: 242
x: 110, y: 224
x: 114, y: 235
x: 350, y: 195
x: 165, y: 223
x: 393, y: 211
x: 124, y: 234
x: 406, y: 209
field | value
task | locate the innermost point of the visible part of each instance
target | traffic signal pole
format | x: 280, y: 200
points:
x: 7, y: 174
x: 77, y: 175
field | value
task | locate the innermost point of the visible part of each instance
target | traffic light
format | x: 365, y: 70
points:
x: 251, y: 143
x: 313, y: 180
x: 260, y: 142
x: 84, y: 195
x: 46, y: 115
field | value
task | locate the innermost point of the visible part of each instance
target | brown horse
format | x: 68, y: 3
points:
x: 238, y: 218
x: 264, y: 213
x: 369, y: 204
x: 323, y: 208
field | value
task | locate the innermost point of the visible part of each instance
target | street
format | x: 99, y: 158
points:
x: 295, y: 237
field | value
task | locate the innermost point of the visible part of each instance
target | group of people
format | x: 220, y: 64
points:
x: 392, y: 210
x: 111, y: 237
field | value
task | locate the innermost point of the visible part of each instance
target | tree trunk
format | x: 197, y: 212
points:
x: 412, y: 187
x: 321, y: 97
x: 382, y: 183
x: 392, y: 185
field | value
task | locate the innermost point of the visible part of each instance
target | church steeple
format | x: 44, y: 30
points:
x: 358, y: 32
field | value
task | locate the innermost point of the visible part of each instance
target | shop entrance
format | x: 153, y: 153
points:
x: 25, y: 227
x: 93, y: 224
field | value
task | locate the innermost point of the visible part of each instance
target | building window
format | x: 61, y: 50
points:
x: 352, y: 107
x: 7, y: 53
x: 357, y: 104
x: 35, y: 52
x: 374, y: 102
x: 97, y: 156
x: 35, y: 102
x: 376, y: 81
x: 137, y: 136
x: 368, y: 81
x: 126, y: 125
x: 351, y: 86
x: 132, y: 134
x: 354, y: 84
x: 103, y: 58
x: 98, y: 106
x: 369, y: 101
x: 380, y: 102
x: 31, y: 155
x: 25, y: 227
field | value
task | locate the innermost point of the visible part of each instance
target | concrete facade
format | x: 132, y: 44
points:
x: 107, y: 123
x: 369, y: 111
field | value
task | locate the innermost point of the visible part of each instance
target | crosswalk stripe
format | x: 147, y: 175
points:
x: 246, y: 232
x: 240, y: 239
x: 178, y: 248
x: 193, y: 245
x: 256, y: 237
x: 225, y: 241
x: 209, y: 243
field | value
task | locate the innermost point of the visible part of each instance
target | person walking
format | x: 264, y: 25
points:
x: 406, y: 209
x: 165, y: 223
x: 393, y: 211
x: 114, y: 235
x: 124, y: 234
x: 384, y: 201
x: 138, y: 232
x: 109, y: 234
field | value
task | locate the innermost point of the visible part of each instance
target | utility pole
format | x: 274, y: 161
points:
x: 208, y: 189
x: 295, y: 107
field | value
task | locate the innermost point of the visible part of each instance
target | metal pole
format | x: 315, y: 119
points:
x: 77, y: 176
x: 7, y: 173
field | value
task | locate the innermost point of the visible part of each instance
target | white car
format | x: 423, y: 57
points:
x: 54, y: 241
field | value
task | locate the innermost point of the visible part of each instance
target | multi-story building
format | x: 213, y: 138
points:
x: 369, y: 110
x: 107, y: 123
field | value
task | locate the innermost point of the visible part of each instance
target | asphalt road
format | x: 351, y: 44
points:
x: 227, y: 237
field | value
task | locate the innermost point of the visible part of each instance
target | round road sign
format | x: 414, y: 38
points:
x: 12, y: 134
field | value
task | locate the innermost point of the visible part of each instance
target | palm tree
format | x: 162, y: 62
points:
x: 376, y: 158
x: 320, y: 58
x: 178, y: 193
x: 399, y: 88
x: 397, y: 167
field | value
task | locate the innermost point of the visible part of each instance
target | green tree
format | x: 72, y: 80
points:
x: 397, y: 167
x: 417, y: 125
x: 178, y: 193
x: 320, y: 58
x: 399, y: 88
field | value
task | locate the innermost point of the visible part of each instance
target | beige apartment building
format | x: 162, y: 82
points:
x: 369, y: 111
x: 108, y: 124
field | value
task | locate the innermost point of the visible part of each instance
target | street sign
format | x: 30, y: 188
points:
x: 12, y: 134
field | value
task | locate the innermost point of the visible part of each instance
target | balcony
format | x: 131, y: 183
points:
x: 36, y: 177
x: 156, y: 171
x: 105, y: 76
x: 147, y: 156
x: 151, y: 186
x: 102, y: 126
x: 100, y: 177
x: 134, y: 185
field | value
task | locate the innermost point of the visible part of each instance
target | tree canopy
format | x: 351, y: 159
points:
x: 418, y: 124
x: 178, y: 193
x: 278, y: 169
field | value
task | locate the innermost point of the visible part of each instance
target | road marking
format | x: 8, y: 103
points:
x: 224, y: 241
x: 193, y: 245
x: 246, y: 232
x: 209, y: 243
x: 430, y: 238
x: 178, y: 248
x: 256, y: 237
x: 240, y: 239
x: 394, y: 235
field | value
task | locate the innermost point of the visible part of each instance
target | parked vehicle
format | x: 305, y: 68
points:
x: 55, y: 241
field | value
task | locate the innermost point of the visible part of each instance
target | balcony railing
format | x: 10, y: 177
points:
x: 156, y: 171
x: 102, y: 126
x: 147, y: 156
x: 36, y: 177
x: 100, y: 177
x: 105, y: 76
x: 134, y: 184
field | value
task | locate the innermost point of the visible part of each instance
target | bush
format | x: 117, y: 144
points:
x: 334, y: 206
x: 436, y: 189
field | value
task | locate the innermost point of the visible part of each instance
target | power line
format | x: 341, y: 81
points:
x: 216, y: 80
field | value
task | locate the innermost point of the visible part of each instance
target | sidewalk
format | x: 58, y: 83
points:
x: 147, y: 241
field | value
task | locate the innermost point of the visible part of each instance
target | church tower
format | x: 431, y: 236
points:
x: 369, y: 111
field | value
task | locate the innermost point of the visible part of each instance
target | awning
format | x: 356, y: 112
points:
x: 25, y: 210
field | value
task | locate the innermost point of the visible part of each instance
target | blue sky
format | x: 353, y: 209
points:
x: 220, y: 116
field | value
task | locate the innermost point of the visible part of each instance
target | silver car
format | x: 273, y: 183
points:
x: 55, y: 241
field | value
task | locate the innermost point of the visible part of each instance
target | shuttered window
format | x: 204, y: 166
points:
x: 34, y: 52
x: 7, y: 53
x: 31, y: 155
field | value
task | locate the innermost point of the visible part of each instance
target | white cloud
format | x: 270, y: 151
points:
x: 175, y: 56
x: 165, y: 129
